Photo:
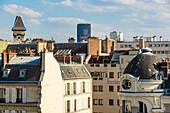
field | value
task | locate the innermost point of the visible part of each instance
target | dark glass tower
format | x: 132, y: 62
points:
x: 83, y: 32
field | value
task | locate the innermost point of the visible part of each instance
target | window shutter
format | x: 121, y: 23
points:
x: 6, y: 111
x: 23, y: 111
x: 7, y: 95
x: 24, y: 95
x: 13, y: 95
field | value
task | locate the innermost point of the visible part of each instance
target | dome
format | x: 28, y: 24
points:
x: 142, y: 65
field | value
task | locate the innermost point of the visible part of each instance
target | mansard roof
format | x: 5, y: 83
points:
x: 74, y: 71
x: 74, y: 47
x: 18, y: 24
x: 31, y: 65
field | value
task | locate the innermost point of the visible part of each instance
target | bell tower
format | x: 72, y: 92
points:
x: 18, y: 30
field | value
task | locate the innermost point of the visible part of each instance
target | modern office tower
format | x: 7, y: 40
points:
x: 83, y: 32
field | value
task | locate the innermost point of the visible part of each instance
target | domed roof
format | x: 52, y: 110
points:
x: 142, y: 65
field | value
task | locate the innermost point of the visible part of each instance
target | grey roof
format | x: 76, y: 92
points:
x: 76, y: 71
x: 74, y: 47
x: 22, y: 48
x: 28, y: 60
x: 30, y: 64
x: 18, y: 24
x: 142, y: 65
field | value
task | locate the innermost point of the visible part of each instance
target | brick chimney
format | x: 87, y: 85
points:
x: 4, y: 58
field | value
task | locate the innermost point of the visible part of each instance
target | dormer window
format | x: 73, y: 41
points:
x: 22, y: 73
x: 6, y: 72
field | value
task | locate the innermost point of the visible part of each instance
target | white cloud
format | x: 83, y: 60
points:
x: 34, y: 22
x: 20, y: 10
x: 67, y: 20
x: 83, y: 6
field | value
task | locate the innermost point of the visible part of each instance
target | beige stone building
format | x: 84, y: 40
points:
x: 144, y: 86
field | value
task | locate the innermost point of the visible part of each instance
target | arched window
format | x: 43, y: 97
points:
x: 142, y: 107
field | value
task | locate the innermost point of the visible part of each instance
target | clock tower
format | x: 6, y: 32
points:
x: 18, y: 30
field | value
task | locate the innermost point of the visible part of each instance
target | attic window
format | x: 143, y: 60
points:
x: 69, y: 71
x: 78, y: 71
x: 6, y: 72
x: 83, y: 70
x: 63, y: 71
x: 22, y: 73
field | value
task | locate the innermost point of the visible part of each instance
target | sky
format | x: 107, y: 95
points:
x: 59, y: 18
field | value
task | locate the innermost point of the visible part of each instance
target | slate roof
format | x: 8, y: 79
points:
x: 74, y: 72
x: 21, y: 48
x: 31, y: 65
x: 74, y: 47
x: 142, y: 65
x: 18, y: 24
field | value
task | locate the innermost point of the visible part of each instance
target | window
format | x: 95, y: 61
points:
x: 113, y: 65
x: 94, y: 88
x: 100, y: 88
x: 88, y: 102
x: 69, y: 71
x: 74, y: 87
x: 6, y: 72
x: 2, y: 111
x: 137, y: 45
x: 22, y: 73
x: 111, y: 102
x: 100, y: 101
x: 62, y: 71
x: 122, y: 60
x: 78, y: 71
x: 118, y: 103
x: 68, y: 105
x: 2, y: 94
x: 68, y: 88
x: 111, y: 88
x: 121, y: 46
x: 100, y: 76
x: 142, y: 107
x: 83, y: 87
x: 119, y: 74
x: 95, y: 102
x: 111, y: 74
x: 166, y: 45
x: 150, y: 45
x: 75, y: 105
x: 18, y: 111
x: 118, y: 88
x: 19, y: 95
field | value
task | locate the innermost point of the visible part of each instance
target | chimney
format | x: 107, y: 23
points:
x: 42, y: 61
x: 160, y: 38
x: 4, y: 58
x: 71, y: 40
x: 154, y: 38
x: 141, y: 43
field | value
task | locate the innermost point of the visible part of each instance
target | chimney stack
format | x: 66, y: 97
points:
x: 4, y: 58
x: 141, y: 43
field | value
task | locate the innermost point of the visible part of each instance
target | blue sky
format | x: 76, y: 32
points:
x: 59, y: 18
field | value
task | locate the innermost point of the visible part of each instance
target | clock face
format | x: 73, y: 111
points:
x: 126, y: 84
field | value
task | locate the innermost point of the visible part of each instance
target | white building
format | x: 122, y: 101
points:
x: 77, y: 88
x: 141, y: 86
